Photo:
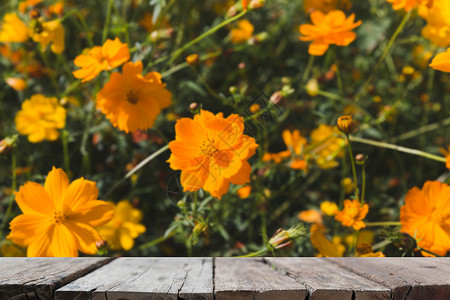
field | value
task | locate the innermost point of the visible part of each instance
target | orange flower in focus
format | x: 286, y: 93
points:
x: 59, y: 218
x: 212, y: 151
x: 13, y: 30
x: 441, y: 61
x: 426, y: 216
x: 132, y: 101
x: 242, y: 33
x: 409, y: 4
x: 352, y: 214
x: 16, y: 83
x: 100, y: 58
x: 330, y: 29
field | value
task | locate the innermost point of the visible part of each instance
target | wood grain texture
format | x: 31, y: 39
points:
x: 250, y: 278
x: 325, y: 280
x: 145, y: 278
x: 408, y: 278
x: 38, y: 278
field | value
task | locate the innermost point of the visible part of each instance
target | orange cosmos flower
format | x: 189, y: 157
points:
x: 242, y: 33
x: 426, y: 216
x: 326, y: 6
x: 446, y: 153
x: 409, y: 4
x: 212, y: 151
x: 132, y: 101
x: 352, y: 214
x: 100, y: 58
x: 330, y: 29
x: 441, y: 61
x: 295, y: 143
x: 245, y: 4
x: 59, y: 218
x: 16, y: 83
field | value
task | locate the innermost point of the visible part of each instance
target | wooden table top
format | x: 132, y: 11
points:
x: 224, y: 278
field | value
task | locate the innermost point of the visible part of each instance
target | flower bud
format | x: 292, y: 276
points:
x: 276, y: 97
x: 194, y: 107
x: 345, y: 124
x: 284, y: 238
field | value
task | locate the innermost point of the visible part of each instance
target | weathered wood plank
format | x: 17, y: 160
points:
x: 38, y: 278
x: 408, y: 278
x: 249, y: 278
x: 144, y: 278
x: 325, y: 280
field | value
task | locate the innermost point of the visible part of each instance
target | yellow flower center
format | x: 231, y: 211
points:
x: 353, y: 212
x: 208, y: 148
x: 58, y: 217
x: 132, y: 97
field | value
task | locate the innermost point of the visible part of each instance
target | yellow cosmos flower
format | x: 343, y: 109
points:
x: 326, y: 146
x: 52, y: 32
x: 330, y: 29
x: 13, y: 30
x: 59, y: 218
x: 132, y: 101
x: 212, y: 151
x: 437, y: 16
x: 352, y: 214
x: 40, y: 118
x: 28, y: 3
x: 426, y: 216
x: 125, y: 226
x: 326, y: 247
x: 329, y: 208
x: 242, y: 33
x: 100, y: 58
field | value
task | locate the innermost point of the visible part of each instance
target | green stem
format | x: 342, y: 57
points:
x: 83, y: 25
x: 375, y: 224
x: 139, y: 166
x: 156, y: 241
x: 202, y: 79
x: 52, y: 76
x: 428, y: 251
x: 398, y: 148
x: 13, y: 189
x: 421, y: 130
x: 65, y: 140
x: 363, y: 89
x: 354, y: 242
x: 107, y: 21
x: 338, y: 73
x: 352, y: 160
x: 308, y: 68
x: 194, y: 209
x: 363, y: 184
x: 261, y: 252
x: 178, y: 52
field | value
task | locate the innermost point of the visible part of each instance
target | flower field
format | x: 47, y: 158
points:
x: 224, y: 128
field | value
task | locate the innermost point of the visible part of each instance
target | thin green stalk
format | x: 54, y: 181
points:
x: 354, y: 242
x: 428, y: 251
x: 156, y: 241
x: 398, y: 148
x: 107, y: 21
x: 261, y: 252
x: 47, y: 65
x: 308, y: 68
x: 202, y: 79
x: 363, y: 184
x: 139, y: 166
x: 13, y: 189
x: 83, y: 25
x: 375, y: 224
x: 338, y: 73
x: 178, y: 52
x: 65, y: 140
x: 194, y: 209
x: 399, y: 29
x: 352, y: 160
x: 421, y: 130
